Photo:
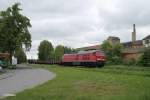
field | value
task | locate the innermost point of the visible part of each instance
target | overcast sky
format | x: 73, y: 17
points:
x: 78, y: 23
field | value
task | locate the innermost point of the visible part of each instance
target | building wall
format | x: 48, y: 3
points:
x: 135, y: 56
x: 146, y: 43
x: 113, y: 40
x: 137, y: 46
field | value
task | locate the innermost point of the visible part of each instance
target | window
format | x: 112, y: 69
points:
x: 147, y: 41
x: 143, y: 41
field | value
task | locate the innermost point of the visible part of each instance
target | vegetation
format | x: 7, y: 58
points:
x: 45, y: 50
x: 20, y: 55
x: 130, y: 62
x: 59, y: 51
x: 107, y: 83
x: 112, y: 51
x: 145, y: 58
x: 69, y: 50
x: 14, y: 29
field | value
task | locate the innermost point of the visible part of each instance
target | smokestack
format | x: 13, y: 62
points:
x: 134, y: 34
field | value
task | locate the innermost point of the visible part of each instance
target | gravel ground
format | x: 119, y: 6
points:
x: 23, y: 78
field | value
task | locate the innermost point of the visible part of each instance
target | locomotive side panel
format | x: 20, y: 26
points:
x: 87, y: 58
x: 68, y: 59
x: 101, y: 58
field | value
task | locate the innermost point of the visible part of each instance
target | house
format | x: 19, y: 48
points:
x: 135, y: 44
x: 132, y: 49
x: 146, y: 41
x: 132, y: 53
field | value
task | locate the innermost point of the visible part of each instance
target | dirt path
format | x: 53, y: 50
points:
x: 24, y: 78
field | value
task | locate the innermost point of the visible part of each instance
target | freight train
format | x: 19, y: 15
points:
x: 82, y: 58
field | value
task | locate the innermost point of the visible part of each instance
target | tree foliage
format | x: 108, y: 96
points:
x: 20, y: 55
x: 59, y: 51
x: 14, y: 29
x: 45, y: 50
x: 68, y: 50
x: 112, y: 51
x: 107, y: 48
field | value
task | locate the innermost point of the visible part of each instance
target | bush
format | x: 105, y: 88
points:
x: 116, y: 60
x: 129, y: 62
x: 145, y: 58
x: 113, y: 52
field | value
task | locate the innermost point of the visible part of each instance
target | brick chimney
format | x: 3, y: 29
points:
x: 134, y: 34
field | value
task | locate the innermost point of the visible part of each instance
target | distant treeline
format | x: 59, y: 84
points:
x: 46, y: 51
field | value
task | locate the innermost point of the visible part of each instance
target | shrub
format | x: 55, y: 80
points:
x: 145, y: 58
x: 129, y: 62
x: 116, y: 60
x: 113, y: 52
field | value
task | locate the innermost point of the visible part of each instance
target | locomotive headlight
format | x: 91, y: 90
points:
x: 98, y: 59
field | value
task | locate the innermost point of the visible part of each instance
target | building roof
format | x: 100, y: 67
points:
x: 114, y: 38
x: 130, y: 44
x: 138, y: 42
x: 85, y: 52
x: 127, y: 44
x: 147, y: 37
x: 94, y: 47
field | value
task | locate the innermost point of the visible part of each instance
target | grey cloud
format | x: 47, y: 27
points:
x: 128, y: 12
x: 79, y: 23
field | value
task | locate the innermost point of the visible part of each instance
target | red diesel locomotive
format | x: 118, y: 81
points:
x: 85, y: 58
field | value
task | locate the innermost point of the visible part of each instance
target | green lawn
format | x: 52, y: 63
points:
x: 107, y: 83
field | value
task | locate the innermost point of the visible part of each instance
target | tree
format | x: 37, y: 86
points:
x: 20, y: 55
x: 14, y: 30
x: 112, y: 51
x: 145, y: 58
x: 45, y: 50
x: 107, y: 48
x: 117, y: 49
x: 68, y: 49
x: 59, y: 51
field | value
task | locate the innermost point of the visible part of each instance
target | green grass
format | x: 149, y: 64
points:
x: 107, y: 83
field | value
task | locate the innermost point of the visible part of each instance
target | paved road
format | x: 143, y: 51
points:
x: 24, y: 78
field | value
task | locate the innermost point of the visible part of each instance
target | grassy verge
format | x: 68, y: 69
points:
x: 107, y: 83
